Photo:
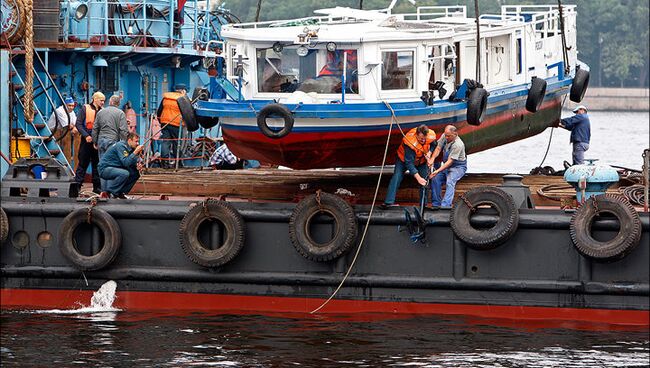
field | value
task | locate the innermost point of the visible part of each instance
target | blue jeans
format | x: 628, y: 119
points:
x: 103, y: 145
x: 579, y: 150
x: 450, y: 177
x: 396, y: 180
x: 119, y: 180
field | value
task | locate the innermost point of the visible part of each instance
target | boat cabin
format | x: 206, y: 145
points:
x: 349, y: 55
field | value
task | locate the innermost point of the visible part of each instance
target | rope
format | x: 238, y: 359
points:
x: 29, y: 62
x: 372, y: 208
x: 539, y: 168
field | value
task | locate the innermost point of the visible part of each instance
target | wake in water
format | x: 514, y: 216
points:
x: 101, y: 302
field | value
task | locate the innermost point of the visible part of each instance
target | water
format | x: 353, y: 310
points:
x: 617, y: 138
x: 100, y: 335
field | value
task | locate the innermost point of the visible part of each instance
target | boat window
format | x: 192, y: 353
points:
x: 397, y: 70
x: 519, y: 56
x: 286, y: 72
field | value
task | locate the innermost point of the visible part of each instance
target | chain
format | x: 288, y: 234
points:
x: 29, y: 62
x: 593, y: 200
x: 468, y: 203
x: 320, y: 206
x: 206, y: 210
x: 89, y: 216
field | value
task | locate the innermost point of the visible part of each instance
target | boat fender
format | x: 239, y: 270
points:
x: 536, y: 94
x: 484, y: 238
x: 207, y: 121
x: 187, y: 113
x: 579, y: 85
x: 233, y: 233
x: 629, y: 233
x: 308, y: 210
x: 476, y: 106
x: 112, y: 237
x: 278, y: 110
x: 4, y: 226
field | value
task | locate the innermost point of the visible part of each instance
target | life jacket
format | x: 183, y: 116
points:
x: 411, y: 140
x: 90, y: 116
x: 171, y: 113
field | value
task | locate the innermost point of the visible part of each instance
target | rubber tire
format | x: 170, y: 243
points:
x: 536, y: 94
x: 476, y: 106
x: 4, y: 226
x: 346, y: 227
x: 485, y: 239
x: 233, y: 225
x: 279, y: 110
x: 622, y: 244
x: 579, y: 85
x: 207, y: 122
x: 112, y: 239
x: 187, y: 113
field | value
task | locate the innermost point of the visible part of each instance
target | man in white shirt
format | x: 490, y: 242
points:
x: 64, y: 140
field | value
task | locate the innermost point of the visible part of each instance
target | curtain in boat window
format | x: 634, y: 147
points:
x: 397, y: 70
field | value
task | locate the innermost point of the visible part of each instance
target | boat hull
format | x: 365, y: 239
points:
x: 536, y: 275
x: 325, y: 136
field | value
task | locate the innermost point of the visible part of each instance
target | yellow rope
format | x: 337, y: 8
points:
x: 29, y: 61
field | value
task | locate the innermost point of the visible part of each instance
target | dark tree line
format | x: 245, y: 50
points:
x: 612, y: 34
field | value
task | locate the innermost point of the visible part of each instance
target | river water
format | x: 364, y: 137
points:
x: 617, y: 138
x: 107, y: 338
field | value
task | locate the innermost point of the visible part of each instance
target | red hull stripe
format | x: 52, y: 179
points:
x: 161, y: 301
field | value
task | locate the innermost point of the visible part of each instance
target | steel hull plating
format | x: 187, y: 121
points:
x: 353, y: 137
x: 537, y: 274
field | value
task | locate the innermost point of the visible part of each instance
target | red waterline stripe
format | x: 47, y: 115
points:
x: 152, y: 301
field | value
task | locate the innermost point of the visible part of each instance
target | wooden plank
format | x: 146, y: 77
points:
x: 292, y: 185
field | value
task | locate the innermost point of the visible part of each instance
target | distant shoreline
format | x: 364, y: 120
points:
x: 615, y: 99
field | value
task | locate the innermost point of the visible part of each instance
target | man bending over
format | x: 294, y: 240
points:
x: 119, y: 166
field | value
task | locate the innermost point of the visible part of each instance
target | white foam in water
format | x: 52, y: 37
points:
x: 101, y: 301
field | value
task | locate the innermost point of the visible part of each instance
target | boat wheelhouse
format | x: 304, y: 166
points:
x: 327, y: 91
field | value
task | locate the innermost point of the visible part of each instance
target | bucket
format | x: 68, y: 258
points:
x: 24, y: 149
x: 39, y: 172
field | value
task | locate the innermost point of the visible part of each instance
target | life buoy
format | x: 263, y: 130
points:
x: 233, y: 233
x: 484, y: 238
x: 629, y: 233
x: 579, y: 85
x: 187, y: 113
x: 275, y: 110
x: 207, y: 121
x: 536, y: 94
x: 476, y: 106
x: 4, y: 226
x: 111, y: 234
x: 303, y: 216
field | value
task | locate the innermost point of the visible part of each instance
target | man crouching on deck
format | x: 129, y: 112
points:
x: 453, y: 168
x: 412, y: 156
x: 119, y: 166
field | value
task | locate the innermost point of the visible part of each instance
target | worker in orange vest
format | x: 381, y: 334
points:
x: 169, y: 115
x: 87, y: 153
x: 412, y: 155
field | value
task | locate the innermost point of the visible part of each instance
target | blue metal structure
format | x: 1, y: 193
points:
x: 590, y: 179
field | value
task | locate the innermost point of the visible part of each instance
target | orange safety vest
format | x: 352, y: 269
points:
x: 90, y: 116
x: 411, y: 140
x: 171, y: 113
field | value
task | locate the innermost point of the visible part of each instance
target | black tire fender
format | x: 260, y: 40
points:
x: 345, y: 234
x: 536, y: 94
x: 4, y: 226
x: 207, y: 122
x: 277, y: 110
x: 233, y: 226
x: 628, y: 237
x: 488, y: 238
x: 579, y: 85
x: 187, y: 113
x: 106, y: 224
x: 476, y: 106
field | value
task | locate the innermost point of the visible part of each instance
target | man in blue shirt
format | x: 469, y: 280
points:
x: 580, y: 128
x: 119, y: 166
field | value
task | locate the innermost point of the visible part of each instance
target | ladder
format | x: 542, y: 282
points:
x: 42, y: 142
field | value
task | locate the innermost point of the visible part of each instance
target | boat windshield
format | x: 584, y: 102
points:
x: 318, y: 71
